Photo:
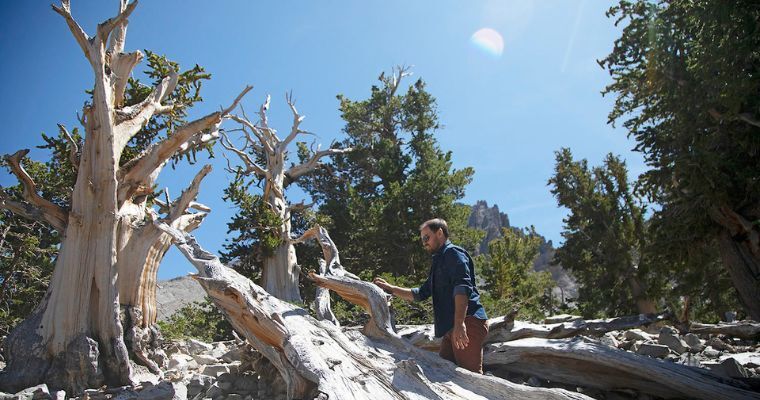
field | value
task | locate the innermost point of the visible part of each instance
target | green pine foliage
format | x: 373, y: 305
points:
x: 686, y: 83
x: 27, y: 248
x: 510, y: 281
x: 199, y: 320
x: 395, y: 178
x: 606, y: 238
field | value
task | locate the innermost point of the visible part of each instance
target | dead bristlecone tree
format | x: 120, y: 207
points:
x: 318, y: 360
x: 264, y: 157
x: 110, y: 250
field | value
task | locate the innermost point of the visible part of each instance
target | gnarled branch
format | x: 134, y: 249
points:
x: 50, y: 212
x: 311, y: 164
x: 139, y: 170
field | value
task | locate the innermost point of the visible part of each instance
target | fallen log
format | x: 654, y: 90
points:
x: 581, y: 362
x: 741, y: 329
x: 506, y: 329
x: 318, y: 360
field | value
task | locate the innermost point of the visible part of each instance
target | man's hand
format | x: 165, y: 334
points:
x: 459, y: 336
x: 383, y: 285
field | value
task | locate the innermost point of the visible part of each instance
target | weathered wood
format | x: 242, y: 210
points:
x: 741, y: 329
x: 280, y: 272
x: 579, y: 362
x: 505, y: 329
x: 75, y: 339
x: 317, y: 358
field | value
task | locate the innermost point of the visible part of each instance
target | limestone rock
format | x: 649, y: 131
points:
x: 195, y: 346
x: 694, y: 342
x: 729, y: 368
x: 610, y: 340
x: 653, y: 350
x: 670, y: 339
x: 637, y: 334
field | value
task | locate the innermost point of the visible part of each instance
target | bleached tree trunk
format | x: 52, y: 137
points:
x: 280, y: 275
x: 75, y: 338
x: 579, y: 362
x: 318, y: 360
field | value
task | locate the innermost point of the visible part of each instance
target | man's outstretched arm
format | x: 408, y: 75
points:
x: 398, y: 291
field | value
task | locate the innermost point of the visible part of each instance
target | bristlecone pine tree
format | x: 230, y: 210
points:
x: 264, y: 157
x: 110, y: 251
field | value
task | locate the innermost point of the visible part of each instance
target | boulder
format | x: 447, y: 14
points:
x: 718, y: 344
x: 195, y: 346
x: 670, y: 339
x: 710, y: 352
x: 636, y: 334
x: 653, y: 350
x: 729, y: 368
x: 694, y: 342
x: 203, y: 359
x: 38, y: 392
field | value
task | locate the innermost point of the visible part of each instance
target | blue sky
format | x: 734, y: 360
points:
x: 503, y: 115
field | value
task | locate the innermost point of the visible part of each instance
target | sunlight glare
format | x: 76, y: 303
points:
x: 489, y: 41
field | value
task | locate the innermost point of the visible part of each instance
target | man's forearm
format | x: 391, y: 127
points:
x: 460, y: 308
x: 402, y: 292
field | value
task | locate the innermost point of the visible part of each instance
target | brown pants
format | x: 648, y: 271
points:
x: 471, y: 357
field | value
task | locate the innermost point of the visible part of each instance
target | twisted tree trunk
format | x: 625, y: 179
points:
x: 317, y: 359
x: 280, y: 274
x: 75, y: 339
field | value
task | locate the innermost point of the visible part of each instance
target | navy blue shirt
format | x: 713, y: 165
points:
x: 451, y: 273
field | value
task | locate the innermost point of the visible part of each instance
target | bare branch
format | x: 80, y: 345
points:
x: 199, y: 207
x: 310, y: 165
x: 79, y: 34
x: 25, y: 210
x: 74, y: 151
x: 259, y: 132
x: 131, y: 119
x: 189, y: 194
x: 141, y: 168
x: 51, y: 213
x: 116, y: 44
x: 298, y: 207
x: 235, y: 103
x: 122, y: 65
x: 297, y: 119
x: 400, y: 73
x: 251, y: 165
x: 105, y: 28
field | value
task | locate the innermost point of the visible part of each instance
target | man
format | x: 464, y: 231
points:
x: 459, y: 316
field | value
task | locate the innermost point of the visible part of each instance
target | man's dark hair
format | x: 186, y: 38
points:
x: 435, y: 224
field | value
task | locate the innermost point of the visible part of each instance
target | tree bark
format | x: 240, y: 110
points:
x: 75, y: 338
x: 280, y: 274
x: 743, y: 329
x: 578, y: 362
x: 317, y: 359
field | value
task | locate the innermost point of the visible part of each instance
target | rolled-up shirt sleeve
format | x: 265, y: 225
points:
x: 423, y: 292
x: 459, y: 270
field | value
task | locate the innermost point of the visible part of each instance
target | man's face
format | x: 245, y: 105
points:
x: 432, y: 241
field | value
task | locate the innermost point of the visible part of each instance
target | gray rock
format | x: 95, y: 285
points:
x: 59, y: 395
x: 38, y: 392
x: 198, y: 383
x: 729, y: 368
x: 195, y: 346
x: 709, y: 351
x: 636, y: 334
x: 216, y: 369
x: 690, y: 359
x: 214, y: 391
x: 672, y: 340
x: 694, y: 342
x: 610, y: 340
x: 669, y: 329
x: 203, y: 359
x: 180, y: 391
x: 720, y: 345
x: 653, y: 350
